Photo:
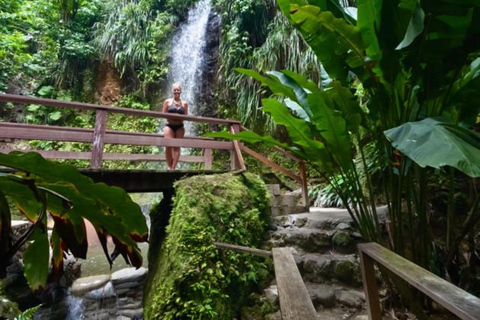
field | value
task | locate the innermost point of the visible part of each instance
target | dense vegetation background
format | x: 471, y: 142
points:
x: 408, y: 67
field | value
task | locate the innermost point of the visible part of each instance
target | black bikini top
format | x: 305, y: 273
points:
x: 173, y: 109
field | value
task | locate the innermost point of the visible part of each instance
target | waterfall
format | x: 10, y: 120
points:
x: 188, y: 47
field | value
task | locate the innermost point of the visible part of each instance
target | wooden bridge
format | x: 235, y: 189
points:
x: 135, y: 180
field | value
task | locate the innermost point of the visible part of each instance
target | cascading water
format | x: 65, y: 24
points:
x: 188, y: 48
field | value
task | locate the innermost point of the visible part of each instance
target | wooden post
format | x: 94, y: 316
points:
x: 207, y: 154
x: 236, y: 162
x: 370, y: 287
x: 98, y: 134
x: 303, y: 176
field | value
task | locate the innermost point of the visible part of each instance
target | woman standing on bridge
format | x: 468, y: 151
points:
x: 174, y: 127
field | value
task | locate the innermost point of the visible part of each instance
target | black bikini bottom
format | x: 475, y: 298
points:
x: 175, y: 127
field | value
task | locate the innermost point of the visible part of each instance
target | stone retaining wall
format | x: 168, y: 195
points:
x: 116, y: 296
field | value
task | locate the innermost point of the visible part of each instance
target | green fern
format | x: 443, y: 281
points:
x: 29, y: 313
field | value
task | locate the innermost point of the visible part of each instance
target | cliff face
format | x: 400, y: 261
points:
x: 189, y: 277
x: 206, y: 98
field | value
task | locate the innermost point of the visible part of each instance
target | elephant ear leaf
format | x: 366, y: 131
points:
x: 434, y: 143
x: 35, y: 260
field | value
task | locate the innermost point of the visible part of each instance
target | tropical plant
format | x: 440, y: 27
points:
x: 418, y: 64
x: 255, y: 36
x: 135, y: 38
x: 41, y: 188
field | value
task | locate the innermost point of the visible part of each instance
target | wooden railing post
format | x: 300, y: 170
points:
x: 207, y: 154
x: 236, y: 157
x: 98, y: 134
x: 370, y: 287
x: 303, y: 176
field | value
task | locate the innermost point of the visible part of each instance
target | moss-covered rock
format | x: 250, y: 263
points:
x: 343, y: 241
x: 193, y: 279
x: 8, y: 309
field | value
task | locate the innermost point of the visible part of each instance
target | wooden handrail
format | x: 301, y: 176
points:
x: 301, y: 178
x: 243, y: 249
x: 99, y: 136
x: 457, y: 301
x: 295, y: 302
x: 109, y: 109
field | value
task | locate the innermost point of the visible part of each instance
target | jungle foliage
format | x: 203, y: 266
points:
x: 256, y: 35
x: 44, y: 190
x: 417, y: 64
x: 193, y: 278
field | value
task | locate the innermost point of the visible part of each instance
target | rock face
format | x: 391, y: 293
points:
x: 207, y: 105
x: 116, y: 296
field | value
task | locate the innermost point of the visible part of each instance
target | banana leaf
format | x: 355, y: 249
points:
x: 436, y: 144
x: 337, y: 44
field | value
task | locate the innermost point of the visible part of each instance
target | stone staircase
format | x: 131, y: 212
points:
x: 323, y: 242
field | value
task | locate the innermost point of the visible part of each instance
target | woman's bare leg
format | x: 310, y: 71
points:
x: 176, y: 151
x: 169, y: 133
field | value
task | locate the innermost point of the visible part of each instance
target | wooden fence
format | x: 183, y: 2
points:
x: 99, y: 136
x: 457, y: 301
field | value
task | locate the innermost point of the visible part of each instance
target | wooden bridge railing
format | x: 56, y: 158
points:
x: 295, y: 301
x: 457, y: 301
x: 99, y: 136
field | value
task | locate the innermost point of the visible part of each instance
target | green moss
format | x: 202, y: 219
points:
x: 8, y: 309
x: 342, y: 239
x: 194, y: 279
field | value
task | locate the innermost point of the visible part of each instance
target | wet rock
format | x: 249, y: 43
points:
x: 106, y: 291
x: 132, y: 313
x: 83, y: 285
x: 350, y: 298
x: 129, y: 275
x: 321, y: 294
x: 343, y: 226
x: 271, y: 294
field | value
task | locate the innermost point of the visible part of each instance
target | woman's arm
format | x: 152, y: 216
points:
x: 165, y: 106
x: 185, y: 107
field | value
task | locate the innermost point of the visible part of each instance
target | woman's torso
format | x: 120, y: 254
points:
x: 175, y: 109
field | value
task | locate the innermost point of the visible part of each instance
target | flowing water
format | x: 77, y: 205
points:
x: 188, y: 48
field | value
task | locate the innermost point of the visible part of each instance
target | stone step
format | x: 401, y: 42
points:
x: 331, y: 295
x: 322, y: 218
x: 306, y: 240
x: 330, y: 267
x: 284, y: 203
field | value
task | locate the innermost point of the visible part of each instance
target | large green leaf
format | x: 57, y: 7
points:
x: 107, y: 207
x: 35, y: 260
x: 369, y: 21
x: 332, y: 127
x: 336, y: 43
x: 273, y: 83
x: 465, y: 99
x: 433, y: 143
x: 299, y: 131
x: 347, y: 104
x: 415, y: 27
